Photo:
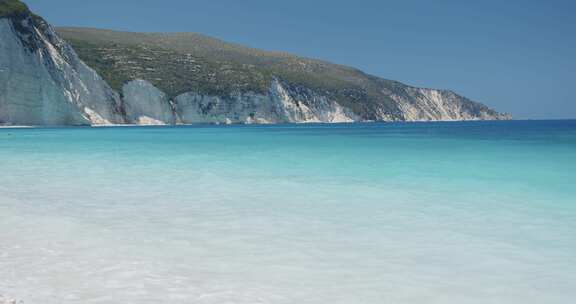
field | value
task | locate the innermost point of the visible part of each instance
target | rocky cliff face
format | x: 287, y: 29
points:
x: 146, y: 104
x: 283, y: 103
x: 279, y: 105
x: 419, y: 104
x: 44, y: 82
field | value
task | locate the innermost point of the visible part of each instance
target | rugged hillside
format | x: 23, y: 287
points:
x: 150, y: 78
x: 181, y: 62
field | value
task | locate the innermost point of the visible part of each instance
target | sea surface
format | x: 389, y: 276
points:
x: 462, y: 212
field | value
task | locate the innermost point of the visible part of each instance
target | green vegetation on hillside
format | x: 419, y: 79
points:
x: 183, y: 62
x: 12, y: 8
x: 173, y: 72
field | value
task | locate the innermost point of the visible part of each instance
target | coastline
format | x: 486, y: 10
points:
x: 271, y: 124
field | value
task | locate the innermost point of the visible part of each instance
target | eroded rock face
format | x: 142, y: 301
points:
x: 305, y: 105
x: 419, y: 104
x: 144, y: 104
x: 239, y: 108
x: 43, y: 82
x: 280, y: 105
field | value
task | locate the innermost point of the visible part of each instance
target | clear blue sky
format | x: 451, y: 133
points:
x: 515, y: 56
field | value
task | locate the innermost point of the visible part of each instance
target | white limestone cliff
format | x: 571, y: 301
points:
x: 43, y: 82
x: 278, y: 106
x: 146, y: 105
x: 418, y: 104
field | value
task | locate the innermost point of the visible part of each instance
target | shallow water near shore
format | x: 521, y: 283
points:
x: 463, y: 212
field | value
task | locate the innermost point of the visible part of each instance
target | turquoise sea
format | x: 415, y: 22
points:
x: 462, y: 212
